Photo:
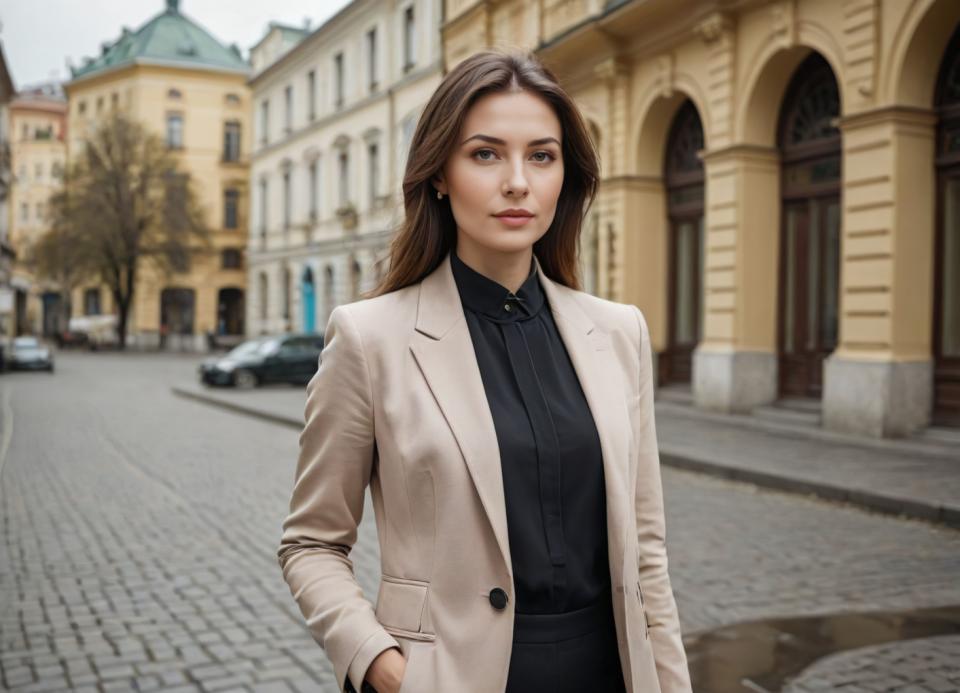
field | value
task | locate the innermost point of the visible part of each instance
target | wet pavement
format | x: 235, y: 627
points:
x: 763, y: 656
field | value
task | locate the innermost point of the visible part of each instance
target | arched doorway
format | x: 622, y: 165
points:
x: 809, y: 143
x: 176, y: 317
x: 329, y: 299
x: 230, y: 311
x: 946, y: 302
x: 308, y: 291
x: 683, y: 179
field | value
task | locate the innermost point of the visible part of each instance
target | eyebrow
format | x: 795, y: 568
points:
x: 497, y: 140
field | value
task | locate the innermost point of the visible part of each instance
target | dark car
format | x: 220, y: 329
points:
x: 291, y: 358
x: 29, y: 353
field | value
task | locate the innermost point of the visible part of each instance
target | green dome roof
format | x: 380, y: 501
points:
x: 170, y: 38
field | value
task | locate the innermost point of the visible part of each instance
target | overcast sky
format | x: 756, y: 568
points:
x: 39, y: 35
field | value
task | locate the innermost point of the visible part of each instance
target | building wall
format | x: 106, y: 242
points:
x: 206, y: 100
x: 630, y: 69
x: 339, y: 255
x: 37, y: 158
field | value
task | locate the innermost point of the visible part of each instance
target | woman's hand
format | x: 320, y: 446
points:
x: 386, y: 671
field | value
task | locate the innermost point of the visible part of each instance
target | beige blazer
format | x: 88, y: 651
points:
x: 398, y: 403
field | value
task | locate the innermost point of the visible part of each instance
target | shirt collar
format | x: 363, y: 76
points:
x: 484, y: 295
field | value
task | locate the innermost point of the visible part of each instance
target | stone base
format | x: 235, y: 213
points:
x: 878, y: 399
x: 735, y: 381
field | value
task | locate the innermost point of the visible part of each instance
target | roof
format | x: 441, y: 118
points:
x: 170, y: 38
x: 7, y: 89
x: 288, y: 31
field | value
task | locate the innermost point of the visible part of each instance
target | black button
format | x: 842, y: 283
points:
x: 498, y: 598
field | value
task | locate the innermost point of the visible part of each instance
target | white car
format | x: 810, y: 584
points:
x: 28, y: 353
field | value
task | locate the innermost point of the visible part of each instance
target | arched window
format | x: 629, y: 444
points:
x: 809, y: 143
x: 946, y: 318
x: 683, y: 177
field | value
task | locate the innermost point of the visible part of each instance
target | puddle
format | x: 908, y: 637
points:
x: 760, y: 656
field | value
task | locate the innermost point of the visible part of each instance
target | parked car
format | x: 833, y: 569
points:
x: 29, y: 353
x: 291, y: 358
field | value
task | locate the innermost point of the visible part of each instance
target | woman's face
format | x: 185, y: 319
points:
x: 508, y: 156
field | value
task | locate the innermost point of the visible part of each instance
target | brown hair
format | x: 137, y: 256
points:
x: 428, y: 230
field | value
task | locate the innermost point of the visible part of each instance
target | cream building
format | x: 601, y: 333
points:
x: 780, y: 192
x: 334, y: 117
x: 7, y: 301
x: 37, y: 121
x: 175, y: 77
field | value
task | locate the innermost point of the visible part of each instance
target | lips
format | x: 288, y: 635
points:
x: 514, y: 213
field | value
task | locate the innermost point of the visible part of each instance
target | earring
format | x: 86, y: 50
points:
x: 439, y: 195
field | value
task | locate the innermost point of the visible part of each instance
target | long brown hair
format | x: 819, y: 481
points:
x: 428, y: 230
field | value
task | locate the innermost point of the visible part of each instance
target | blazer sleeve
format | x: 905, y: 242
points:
x: 659, y: 603
x: 333, y: 469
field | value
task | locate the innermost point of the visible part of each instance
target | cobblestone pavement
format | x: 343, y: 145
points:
x: 924, y: 665
x: 138, y: 536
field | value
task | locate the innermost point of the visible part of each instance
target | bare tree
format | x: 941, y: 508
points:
x: 123, y: 202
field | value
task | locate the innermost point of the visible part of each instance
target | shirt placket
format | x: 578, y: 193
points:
x: 546, y: 441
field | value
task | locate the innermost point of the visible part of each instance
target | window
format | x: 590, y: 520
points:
x: 99, y: 104
x: 338, y: 79
x: 56, y: 171
x: 372, y: 58
x: 91, y: 302
x: 263, y: 207
x: 409, y: 33
x: 344, y: 163
x: 288, y: 106
x: 230, y: 258
x: 313, y: 193
x: 231, y: 200
x: 82, y: 107
x: 232, y: 99
x: 175, y: 131
x: 25, y: 132
x: 374, y: 163
x: 311, y: 95
x: 114, y: 100
x: 174, y: 94
x: 231, y: 141
x: 38, y: 170
x: 264, y: 120
x: 286, y: 200
x: 39, y: 215
x: 24, y: 211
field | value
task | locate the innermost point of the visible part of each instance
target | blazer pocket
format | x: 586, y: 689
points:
x: 400, y: 604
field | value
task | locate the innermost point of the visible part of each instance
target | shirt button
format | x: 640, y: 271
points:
x: 507, y: 306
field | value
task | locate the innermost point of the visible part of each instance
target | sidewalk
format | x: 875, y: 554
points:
x: 918, y: 480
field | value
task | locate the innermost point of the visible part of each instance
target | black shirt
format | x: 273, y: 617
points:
x: 550, y: 451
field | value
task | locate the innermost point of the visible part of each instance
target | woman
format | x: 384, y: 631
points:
x: 503, y: 420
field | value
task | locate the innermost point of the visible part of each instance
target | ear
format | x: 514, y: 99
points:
x: 439, y: 183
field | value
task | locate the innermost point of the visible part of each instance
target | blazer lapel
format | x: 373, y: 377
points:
x: 444, y: 352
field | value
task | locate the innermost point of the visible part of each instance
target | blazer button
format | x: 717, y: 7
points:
x: 498, y: 598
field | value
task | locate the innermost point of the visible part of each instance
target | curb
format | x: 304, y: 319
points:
x: 878, y: 502
x: 238, y: 408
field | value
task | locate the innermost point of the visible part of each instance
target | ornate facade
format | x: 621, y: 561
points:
x: 779, y: 191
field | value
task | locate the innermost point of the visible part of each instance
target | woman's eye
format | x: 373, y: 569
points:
x: 547, y: 155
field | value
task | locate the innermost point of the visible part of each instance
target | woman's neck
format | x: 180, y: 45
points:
x: 509, y: 269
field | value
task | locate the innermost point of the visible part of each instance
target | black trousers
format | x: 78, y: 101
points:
x: 570, y: 652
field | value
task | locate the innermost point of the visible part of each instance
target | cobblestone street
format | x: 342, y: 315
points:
x: 139, y: 536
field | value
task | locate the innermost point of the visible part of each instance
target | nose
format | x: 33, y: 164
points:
x: 516, y: 182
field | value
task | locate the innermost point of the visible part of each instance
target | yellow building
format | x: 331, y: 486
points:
x: 172, y: 75
x: 780, y: 192
x: 37, y: 155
